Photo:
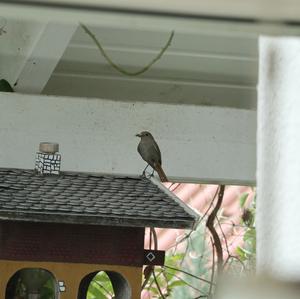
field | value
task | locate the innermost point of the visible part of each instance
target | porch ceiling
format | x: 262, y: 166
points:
x: 209, y: 66
x: 212, y: 59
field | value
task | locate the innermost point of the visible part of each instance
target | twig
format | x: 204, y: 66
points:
x: 188, y: 284
x: 224, y: 236
x: 187, y: 236
x: 150, y: 240
x: 177, y: 186
x: 154, y: 235
x: 227, y: 247
x: 210, y: 205
x: 168, y: 290
x: 212, y: 269
x: 149, y: 269
x: 237, y: 225
x: 117, y: 67
x: 153, y: 232
x: 102, y: 287
x: 215, y: 236
x: 158, y: 275
x: 187, y: 273
x: 236, y: 258
x: 157, y: 284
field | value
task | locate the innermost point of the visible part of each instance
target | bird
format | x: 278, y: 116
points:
x: 150, y: 152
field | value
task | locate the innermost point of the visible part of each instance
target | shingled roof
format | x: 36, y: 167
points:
x: 84, y: 198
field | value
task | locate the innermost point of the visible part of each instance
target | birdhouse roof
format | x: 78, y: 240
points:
x: 85, y: 198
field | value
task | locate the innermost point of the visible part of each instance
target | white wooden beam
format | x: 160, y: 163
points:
x: 264, y: 9
x: 151, y: 90
x: 30, y: 50
x: 160, y: 22
x: 15, y: 45
x: 46, y: 52
x: 198, y: 144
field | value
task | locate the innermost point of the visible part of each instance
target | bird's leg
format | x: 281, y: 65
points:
x: 152, y: 174
x: 144, y: 171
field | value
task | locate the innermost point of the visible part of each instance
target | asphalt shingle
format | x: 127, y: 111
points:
x: 75, y: 197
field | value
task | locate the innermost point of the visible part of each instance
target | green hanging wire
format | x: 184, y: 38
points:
x: 117, y: 67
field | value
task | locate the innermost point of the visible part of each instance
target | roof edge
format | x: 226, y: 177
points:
x: 192, y: 212
x: 95, y: 220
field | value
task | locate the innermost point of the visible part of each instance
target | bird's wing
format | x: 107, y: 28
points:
x: 155, y: 145
x: 149, y: 151
x: 139, y: 149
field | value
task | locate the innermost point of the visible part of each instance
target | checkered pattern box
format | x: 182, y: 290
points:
x: 47, y: 163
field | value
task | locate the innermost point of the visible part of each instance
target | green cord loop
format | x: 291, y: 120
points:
x: 117, y: 67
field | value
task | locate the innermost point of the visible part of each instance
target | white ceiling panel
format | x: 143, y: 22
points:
x: 211, y: 67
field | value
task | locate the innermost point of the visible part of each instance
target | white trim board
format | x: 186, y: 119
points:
x: 160, y: 22
x: 198, y: 144
x: 265, y: 9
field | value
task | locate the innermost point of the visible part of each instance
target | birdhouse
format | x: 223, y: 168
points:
x: 59, y: 230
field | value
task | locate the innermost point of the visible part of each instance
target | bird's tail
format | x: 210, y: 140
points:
x: 161, y: 173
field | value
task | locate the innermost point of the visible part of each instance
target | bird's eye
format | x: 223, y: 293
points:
x: 147, y: 134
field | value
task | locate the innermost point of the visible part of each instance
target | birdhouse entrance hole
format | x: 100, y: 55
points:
x: 32, y: 283
x: 104, y: 284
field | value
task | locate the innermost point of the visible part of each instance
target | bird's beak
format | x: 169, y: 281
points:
x: 138, y: 135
